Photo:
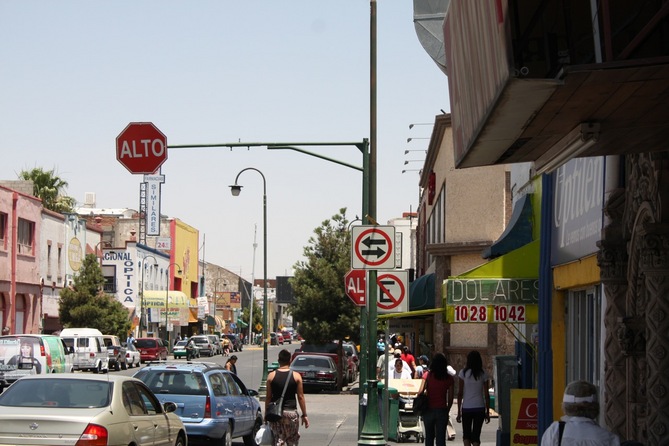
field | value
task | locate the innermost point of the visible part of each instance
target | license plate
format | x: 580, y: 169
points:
x: 310, y: 374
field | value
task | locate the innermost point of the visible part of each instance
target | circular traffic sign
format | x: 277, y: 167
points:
x: 141, y: 148
x: 373, y: 247
x: 390, y: 296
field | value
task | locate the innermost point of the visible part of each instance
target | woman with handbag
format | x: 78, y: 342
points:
x: 285, y: 390
x: 439, y: 386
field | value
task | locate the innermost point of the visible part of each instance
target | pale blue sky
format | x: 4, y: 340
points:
x: 73, y: 74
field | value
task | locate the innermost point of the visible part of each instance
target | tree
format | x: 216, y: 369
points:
x: 324, y: 311
x: 85, y: 305
x: 50, y: 188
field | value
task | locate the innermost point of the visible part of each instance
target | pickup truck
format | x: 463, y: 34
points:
x: 116, y: 352
x: 347, y: 373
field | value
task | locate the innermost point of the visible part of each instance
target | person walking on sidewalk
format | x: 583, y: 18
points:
x: 579, y: 425
x: 439, y: 385
x: 473, y: 399
x: 286, y: 432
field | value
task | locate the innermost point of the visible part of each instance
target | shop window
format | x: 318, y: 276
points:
x: 584, y: 336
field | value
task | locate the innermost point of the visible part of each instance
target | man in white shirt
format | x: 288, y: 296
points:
x: 399, y: 372
x: 578, y: 426
x: 391, y: 366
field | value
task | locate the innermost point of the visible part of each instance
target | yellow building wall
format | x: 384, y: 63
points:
x: 579, y: 274
x: 186, y: 244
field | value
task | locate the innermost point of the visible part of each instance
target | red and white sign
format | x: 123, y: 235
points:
x: 356, y: 286
x: 373, y: 247
x: 141, y: 148
x: 393, y: 291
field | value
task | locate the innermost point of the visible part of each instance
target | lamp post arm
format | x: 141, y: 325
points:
x: 264, y: 183
x: 297, y: 149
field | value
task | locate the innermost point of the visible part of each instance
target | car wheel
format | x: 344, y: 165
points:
x: 124, y: 365
x: 227, y: 437
x: 250, y: 439
x: 98, y: 369
x: 175, y: 357
x: 181, y: 441
x: 117, y: 366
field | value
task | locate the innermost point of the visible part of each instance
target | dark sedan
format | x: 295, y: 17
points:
x: 318, y: 372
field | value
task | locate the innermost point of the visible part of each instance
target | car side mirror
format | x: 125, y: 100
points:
x: 169, y: 407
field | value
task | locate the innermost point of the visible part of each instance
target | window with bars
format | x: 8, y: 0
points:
x: 584, y: 340
x: 26, y: 236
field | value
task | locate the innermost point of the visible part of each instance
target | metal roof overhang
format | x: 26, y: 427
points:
x: 629, y: 100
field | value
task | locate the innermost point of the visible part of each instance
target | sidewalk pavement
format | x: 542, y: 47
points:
x: 338, y: 425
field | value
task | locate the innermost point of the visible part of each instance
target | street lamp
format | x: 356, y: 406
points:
x: 142, y: 315
x: 236, y: 190
x: 167, y: 298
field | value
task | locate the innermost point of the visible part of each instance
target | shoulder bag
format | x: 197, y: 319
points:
x: 275, y: 409
x: 420, y: 402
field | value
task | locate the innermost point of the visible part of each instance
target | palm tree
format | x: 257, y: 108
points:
x: 50, y: 188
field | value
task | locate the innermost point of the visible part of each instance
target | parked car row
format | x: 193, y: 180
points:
x: 169, y: 403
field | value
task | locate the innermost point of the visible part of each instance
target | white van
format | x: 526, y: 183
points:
x: 90, y: 352
x: 44, y: 354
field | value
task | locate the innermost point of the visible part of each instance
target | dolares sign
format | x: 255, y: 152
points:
x: 141, y: 148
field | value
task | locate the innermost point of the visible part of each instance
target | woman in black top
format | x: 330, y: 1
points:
x: 286, y: 431
x: 231, y: 364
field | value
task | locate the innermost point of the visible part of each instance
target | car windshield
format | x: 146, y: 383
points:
x: 146, y: 343
x: 56, y: 392
x: 181, y: 343
x: 174, y: 382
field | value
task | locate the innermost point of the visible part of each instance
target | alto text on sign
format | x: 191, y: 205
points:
x: 141, y: 148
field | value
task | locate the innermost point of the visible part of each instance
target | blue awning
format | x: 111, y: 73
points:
x: 518, y: 232
x: 421, y: 293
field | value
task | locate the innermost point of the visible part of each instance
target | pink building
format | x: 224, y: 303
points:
x: 20, y: 290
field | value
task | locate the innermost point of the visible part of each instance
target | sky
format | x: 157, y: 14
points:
x: 75, y: 73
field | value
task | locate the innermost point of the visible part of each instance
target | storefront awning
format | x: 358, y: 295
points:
x: 521, y: 262
x: 192, y: 315
x: 156, y: 299
x: 421, y: 293
x: 241, y: 323
x: 518, y: 232
x: 220, y: 322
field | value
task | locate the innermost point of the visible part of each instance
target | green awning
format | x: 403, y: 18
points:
x: 522, y: 262
x: 421, y: 293
x: 241, y: 323
x: 511, y: 278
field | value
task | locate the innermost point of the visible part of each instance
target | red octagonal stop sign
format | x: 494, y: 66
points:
x: 141, y: 147
x: 354, y: 283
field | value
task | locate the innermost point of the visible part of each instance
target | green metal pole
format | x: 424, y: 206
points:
x: 372, y: 434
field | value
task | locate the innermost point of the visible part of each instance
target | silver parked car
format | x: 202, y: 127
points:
x: 68, y: 409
